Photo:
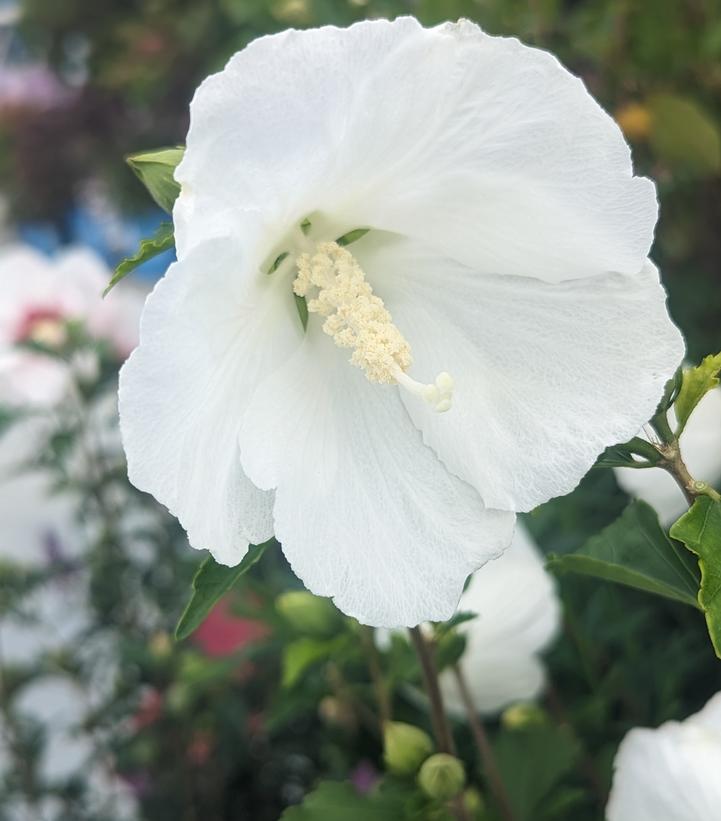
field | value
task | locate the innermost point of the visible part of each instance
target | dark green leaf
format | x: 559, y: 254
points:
x: 162, y: 240
x: 336, y: 801
x: 697, y: 382
x: 700, y: 531
x: 211, y: 582
x: 624, y: 456
x: 532, y: 761
x: 352, y: 236
x: 635, y: 551
x: 155, y: 170
x: 303, y: 653
x: 461, y: 617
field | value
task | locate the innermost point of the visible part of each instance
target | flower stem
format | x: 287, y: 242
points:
x: 674, y: 465
x: 485, y: 750
x: 376, y: 673
x: 441, y: 727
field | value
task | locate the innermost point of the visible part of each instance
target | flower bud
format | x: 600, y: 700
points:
x: 523, y: 715
x: 405, y: 747
x: 473, y: 801
x: 442, y: 776
x: 307, y: 613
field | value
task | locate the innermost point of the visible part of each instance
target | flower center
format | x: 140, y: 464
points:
x: 335, y: 287
x: 46, y: 326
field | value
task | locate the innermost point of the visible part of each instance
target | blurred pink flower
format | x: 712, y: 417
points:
x: 32, y: 87
x: 39, y: 296
x: 222, y: 633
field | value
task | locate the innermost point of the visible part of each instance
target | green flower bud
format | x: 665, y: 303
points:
x: 473, y: 801
x: 307, y: 613
x: 405, y: 747
x: 442, y: 776
x: 522, y: 716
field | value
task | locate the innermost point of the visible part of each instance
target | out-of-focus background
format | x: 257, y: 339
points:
x: 102, y: 714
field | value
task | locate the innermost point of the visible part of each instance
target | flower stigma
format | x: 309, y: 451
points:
x: 336, y: 288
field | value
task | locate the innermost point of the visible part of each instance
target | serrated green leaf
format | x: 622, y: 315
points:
x: 684, y: 136
x: 697, y: 382
x: 162, y: 240
x: 155, y: 170
x: 303, y: 653
x: 339, y: 801
x: 352, y: 236
x: 211, y: 582
x: 635, y: 551
x: 700, y: 531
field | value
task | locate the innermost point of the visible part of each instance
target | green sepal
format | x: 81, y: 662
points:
x: 155, y: 170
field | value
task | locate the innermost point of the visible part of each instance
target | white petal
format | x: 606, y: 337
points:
x: 209, y: 333
x: 364, y: 511
x: 518, y: 617
x: 546, y: 375
x: 670, y: 773
x: 486, y: 148
x: 701, y: 450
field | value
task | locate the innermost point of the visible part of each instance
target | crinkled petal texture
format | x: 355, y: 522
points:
x: 701, y: 449
x: 487, y: 149
x: 547, y: 375
x: 365, y: 511
x: 670, y: 773
x: 518, y: 617
x: 501, y: 196
x: 208, y: 335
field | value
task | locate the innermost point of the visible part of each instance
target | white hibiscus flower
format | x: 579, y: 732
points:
x: 518, y: 617
x: 701, y: 451
x: 507, y: 241
x: 671, y: 773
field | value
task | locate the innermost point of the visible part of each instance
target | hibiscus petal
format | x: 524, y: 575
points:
x: 546, y: 375
x: 485, y: 148
x: 364, y: 511
x: 208, y: 335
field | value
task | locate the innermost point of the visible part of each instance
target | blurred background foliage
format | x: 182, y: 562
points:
x: 220, y: 729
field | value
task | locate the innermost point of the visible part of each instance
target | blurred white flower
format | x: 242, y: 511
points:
x: 671, y: 773
x: 508, y: 241
x: 40, y: 295
x: 518, y: 617
x: 701, y: 450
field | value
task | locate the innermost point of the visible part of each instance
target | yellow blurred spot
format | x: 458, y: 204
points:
x: 634, y: 120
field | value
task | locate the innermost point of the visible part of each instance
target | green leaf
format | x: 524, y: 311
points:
x: 700, y: 531
x: 155, y: 170
x: 622, y: 456
x: 162, y: 240
x: 532, y: 761
x: 635, y: 551
x: 336, y: 801
x: 352, y: 236
x: 697, y: 382
x: 684, y: 136
x: 304, y: 652
x: 211, y: 582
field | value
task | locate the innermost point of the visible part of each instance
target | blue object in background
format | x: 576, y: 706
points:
x: 112, y: 235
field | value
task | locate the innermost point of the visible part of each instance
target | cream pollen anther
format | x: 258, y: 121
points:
x: 335, y: 287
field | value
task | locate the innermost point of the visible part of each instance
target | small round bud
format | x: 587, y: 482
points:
x: 442, y: 776
x: 405, y: 747
x: 521, y: 716
x: 307, y: 613
x: 473, y: 801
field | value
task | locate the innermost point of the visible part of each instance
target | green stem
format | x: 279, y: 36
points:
x: 376, y: 673
x: 441, y: 728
